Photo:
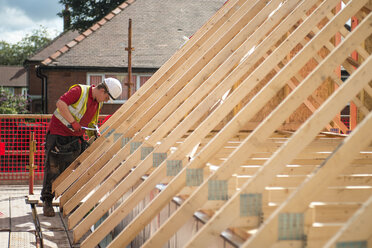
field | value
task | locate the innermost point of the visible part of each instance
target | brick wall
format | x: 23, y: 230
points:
x: 60, y: 81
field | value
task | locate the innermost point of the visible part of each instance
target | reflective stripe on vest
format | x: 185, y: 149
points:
x: 79, y: 108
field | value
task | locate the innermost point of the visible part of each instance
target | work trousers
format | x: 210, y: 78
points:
x: 60, y: 152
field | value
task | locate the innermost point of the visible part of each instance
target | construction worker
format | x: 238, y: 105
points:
x: 76, y: 109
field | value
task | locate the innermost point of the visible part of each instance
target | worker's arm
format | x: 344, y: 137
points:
x: 64, y: 111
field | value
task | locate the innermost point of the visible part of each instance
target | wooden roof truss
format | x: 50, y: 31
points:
x: 183, y: 129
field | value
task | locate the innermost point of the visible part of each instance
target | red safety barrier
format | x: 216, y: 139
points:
x: 15, y: 131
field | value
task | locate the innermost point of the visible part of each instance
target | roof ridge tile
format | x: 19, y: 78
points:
x: 123, y: 5
x: 80, y: 38
x: 116, y: 11
x: 109, y: 16
x: 102, y: 21
x: 72, y: 43
x: 56, y: 54
x: 95, y: 27
x: 64, y: 49
x: 87, y: 32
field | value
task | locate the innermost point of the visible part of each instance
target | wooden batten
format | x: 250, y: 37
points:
x: 238, y: 123
x: 249, y: 148
x: 192, y: 116
x: 152, y: 84
x: 163, y: 147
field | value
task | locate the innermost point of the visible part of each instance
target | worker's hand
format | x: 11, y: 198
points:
x: 76, y: 126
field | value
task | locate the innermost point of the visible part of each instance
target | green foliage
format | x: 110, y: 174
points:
x: 84, y: 13
x: 12, y: 104
x: 16, y: 54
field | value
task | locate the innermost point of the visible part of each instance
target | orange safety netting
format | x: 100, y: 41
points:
x: 15, y: 133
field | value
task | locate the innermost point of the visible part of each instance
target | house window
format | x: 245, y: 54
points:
x: 24, y: 92
x: 95, y: 79
x: 137, y: 79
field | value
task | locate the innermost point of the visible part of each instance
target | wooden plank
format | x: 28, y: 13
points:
x: 144, y: 92
x: 4, y: 239
x: 249, y: 148
x: 310, y: 152
x: 330, y: 195
x: 123, y: 183
x: 22, y: 239
x: 35, y: 199
x: 170, y: 107
x: 4, y: 213
x: 318, y: 235
x: 50, y: 223
x: 21, y: 215
x: 253, y: 108
x: 95, y: 164
x: 178, y: 117
x: 357, y: 228
x: 295, y: 181
x: 318, y: 101
x: 56, y: 239
x: 140, y: 117
x: 228, y: 30
x: 333, y: 213
x: 316, y: 155
x: 259, y: 134
x: 288, y: 243
x: 339, y: 160
x: 198, y: 38
x: 186, y: 231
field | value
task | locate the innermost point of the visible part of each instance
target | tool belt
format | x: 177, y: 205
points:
x: 63, y: 154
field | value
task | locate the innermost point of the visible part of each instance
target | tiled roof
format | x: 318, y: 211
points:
x: 159, y: 29
x: 54, y: 45
x: 13, y: 76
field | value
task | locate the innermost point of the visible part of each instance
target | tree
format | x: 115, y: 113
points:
x: 84, y: 13
x: 12, y: 104
x: 16, y: 54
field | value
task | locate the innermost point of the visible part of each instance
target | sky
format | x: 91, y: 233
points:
x: 21, y: 17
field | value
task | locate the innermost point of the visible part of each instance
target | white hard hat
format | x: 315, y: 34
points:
x: 114, y: 87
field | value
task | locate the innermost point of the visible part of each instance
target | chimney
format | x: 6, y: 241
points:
x: 66, y: 18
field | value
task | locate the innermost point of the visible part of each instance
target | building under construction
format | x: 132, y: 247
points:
x: 240, y: 138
